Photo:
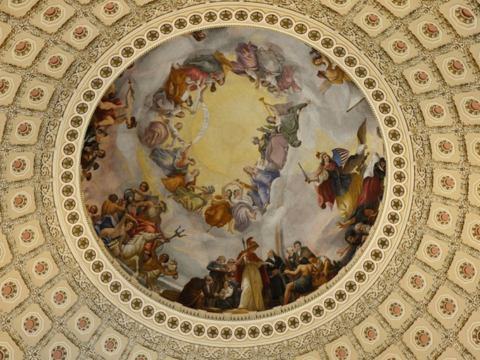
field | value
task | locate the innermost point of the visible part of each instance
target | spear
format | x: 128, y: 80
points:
x: 243, y: 242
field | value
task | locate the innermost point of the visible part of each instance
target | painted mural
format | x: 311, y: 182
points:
x: 233, y: 170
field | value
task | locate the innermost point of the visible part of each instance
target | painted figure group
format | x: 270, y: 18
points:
x: 253, y: 284
x: 239, y: 201
x: 130, y: 225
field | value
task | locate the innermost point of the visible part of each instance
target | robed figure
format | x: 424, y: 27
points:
x: 252, y: 277
x: 285, y: 120
x: 334, y: 185
x: 194, y: 293
x: 335, y: 179
x: 275, y: 271
x: 373, y: 181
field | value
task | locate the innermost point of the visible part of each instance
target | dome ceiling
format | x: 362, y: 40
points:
x: 411, y: 291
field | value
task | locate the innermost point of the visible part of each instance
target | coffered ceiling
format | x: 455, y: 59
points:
x: 413, y: 290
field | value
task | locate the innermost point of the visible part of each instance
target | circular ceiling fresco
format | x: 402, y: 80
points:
x: 231, y: 147
x: 113, y: 215
x: 233, y: 169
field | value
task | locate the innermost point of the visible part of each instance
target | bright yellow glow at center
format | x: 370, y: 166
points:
x: 226, y: 147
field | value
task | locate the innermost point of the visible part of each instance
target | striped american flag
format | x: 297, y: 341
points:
x: 340, y: 156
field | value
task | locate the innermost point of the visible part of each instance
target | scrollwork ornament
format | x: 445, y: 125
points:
x: 47, y: 194
x: 46, y: 164
x: 102, y: 303
x: 81, y: 279
x: 419, y: 147
x: 53, y: 226
x: 183, y: 348
x: 376, y: 290
x: 132, y: 24
x: 51, y: 132
x: 420, y: 179
x: 412, y: 122
x: 304, y: 7
x: 179, y: 4
x: 328, y: 329
x: 127, y: 322
x: 272, y: 349
x: 417, y: 212
x: 99, y: 49
x: 211, y: 352
x: 396, y: 85
x: 61, y: 104
x: 157, y: 8
x: 64, y: 253
x: 408, y: 242
x: 78, y: 74
x: 308, y: 7
x: 378, y: 58
x: 394, y: 267
x: 326, y: 16
x: 241, y: 353
x: 408, y: 110
x: 152, y: 337
x: 353, y: 35
x: 290, y: 349
x: 355, y: 310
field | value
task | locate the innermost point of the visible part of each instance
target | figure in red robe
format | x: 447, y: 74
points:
x: 373, y: 181
x: 333, y: 184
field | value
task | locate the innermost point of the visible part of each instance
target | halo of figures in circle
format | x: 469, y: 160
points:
x: 130, y: 224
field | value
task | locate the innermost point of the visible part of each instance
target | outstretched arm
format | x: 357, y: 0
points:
x: 247, y: 186
x: 317, y: 176
x: 107, y: 105
x: 296, y: 272
x: 125, y: 218
x: 341, y: 252
x: 343, y: 224
x: 145, y: 203
x: 167, y: 273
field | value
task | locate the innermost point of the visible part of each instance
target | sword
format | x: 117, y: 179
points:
x: 303, y: 171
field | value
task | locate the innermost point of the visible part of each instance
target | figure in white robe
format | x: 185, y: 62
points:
x: 270, y: 64
x: 252, y: 276
x: 242, y: 211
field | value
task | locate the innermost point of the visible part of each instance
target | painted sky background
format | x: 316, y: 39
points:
x: 226, y: 148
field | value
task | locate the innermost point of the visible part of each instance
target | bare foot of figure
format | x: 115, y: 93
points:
x: 254, y: 215
x: 265, y: 206
x: 208, y: 230
x: 308, y: 102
